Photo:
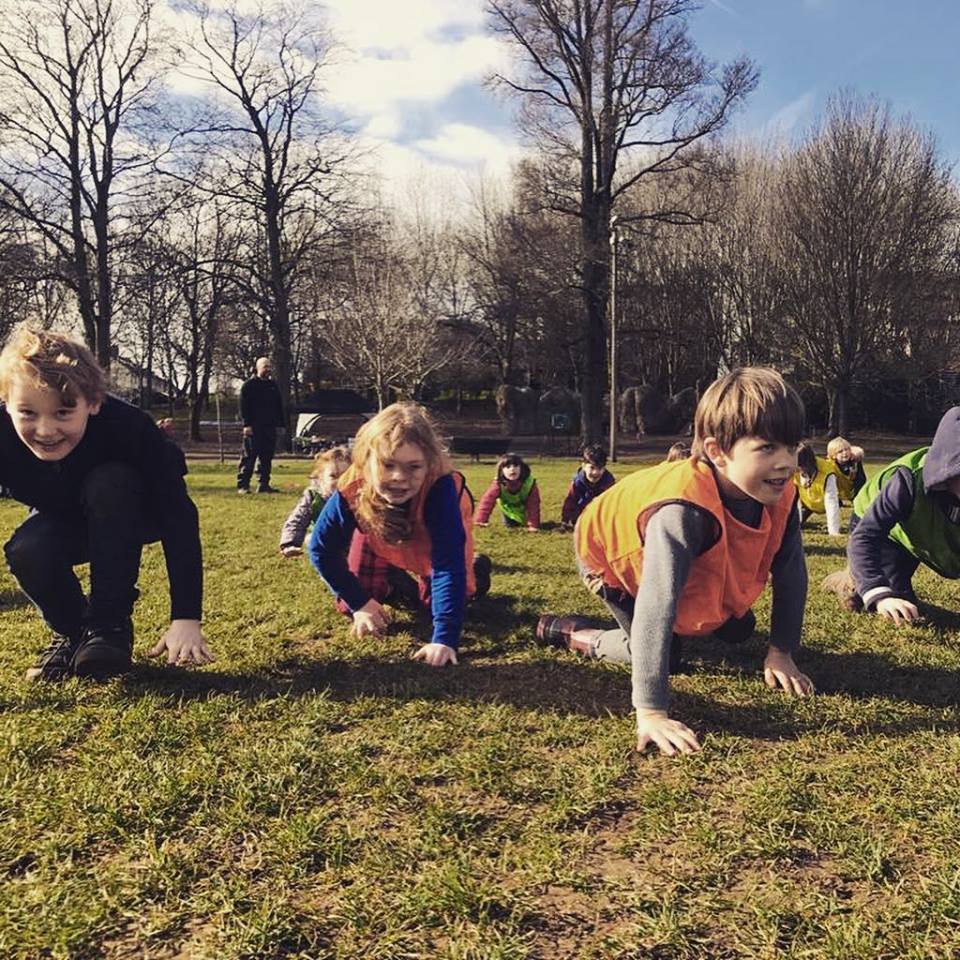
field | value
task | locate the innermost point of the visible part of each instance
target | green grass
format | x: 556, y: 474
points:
x: 315, y: 796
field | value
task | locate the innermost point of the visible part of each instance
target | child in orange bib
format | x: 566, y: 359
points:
x: 687, y: 547
x: 398, y: 510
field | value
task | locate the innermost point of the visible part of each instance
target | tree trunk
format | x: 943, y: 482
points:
x: 595, y: 279
x: 839, y: 399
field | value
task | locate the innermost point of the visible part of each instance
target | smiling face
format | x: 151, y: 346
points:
x: 753, y: 467
x: 49, y: 427
x: 591, y: 471
x: 398, y: 476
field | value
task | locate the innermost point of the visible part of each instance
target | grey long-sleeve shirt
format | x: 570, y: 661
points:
x: 676, y: 534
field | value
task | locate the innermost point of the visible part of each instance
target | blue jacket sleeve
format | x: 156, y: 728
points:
x: 870, y: 539
x: 441, y: 512
x: 329, y: 545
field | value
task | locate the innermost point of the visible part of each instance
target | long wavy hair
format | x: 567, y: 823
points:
x: 378, y: 438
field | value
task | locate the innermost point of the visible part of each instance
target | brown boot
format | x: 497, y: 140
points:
x: 841, y: 583
x: 554, y: 631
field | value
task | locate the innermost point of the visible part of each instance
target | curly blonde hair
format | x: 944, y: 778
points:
x: 400, y: 423
x: 51, y: 361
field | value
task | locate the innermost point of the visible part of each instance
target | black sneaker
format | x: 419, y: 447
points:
x: 267, y: 489
x: 105, y: 651
x: 56, y: 662
x: 482, y: 568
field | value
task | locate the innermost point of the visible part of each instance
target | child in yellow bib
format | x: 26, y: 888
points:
x: 817, y: 481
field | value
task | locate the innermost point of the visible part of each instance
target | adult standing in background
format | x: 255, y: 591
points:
x: 261, y: 411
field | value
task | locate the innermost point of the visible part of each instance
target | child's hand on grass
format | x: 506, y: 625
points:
x: 533, y: 529
x: 671, y: 736
x: 372, y: 618
x: 898, y: 610
x: 292, y: 551
x: 184, y: 644
x: 436, y: 654
x: 779, y: 671
x: 481, y: 523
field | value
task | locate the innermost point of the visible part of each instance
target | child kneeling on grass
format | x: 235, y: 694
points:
x: 592, y: 479
x: 906, y: 514
x: 848, y: 461
x: 817, y: 488
x: 327, y: 467
x: 686, y: 547
x: 401, y: 507
x: 517, y: 493
x: 102, y: 481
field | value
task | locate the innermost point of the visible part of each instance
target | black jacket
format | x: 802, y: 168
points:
x: 119, y: 433
x: 260, y: 404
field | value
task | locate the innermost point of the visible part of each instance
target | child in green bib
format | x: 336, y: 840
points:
x: 516, y: 491
x: 907, y: 514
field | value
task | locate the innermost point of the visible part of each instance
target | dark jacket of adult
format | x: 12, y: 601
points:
x: 260, y: 404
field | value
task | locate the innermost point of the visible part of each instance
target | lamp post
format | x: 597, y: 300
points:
x: 614, y: 250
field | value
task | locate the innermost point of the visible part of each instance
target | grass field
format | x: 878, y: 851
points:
x: 314, y: 796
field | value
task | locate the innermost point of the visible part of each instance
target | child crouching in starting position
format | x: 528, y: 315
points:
x: 907, y: 514
x: 817, y: 482
x: 589, y: 481
x: 327, y: 467
x: 102, y: 481
x: 686, y: 547
x: 400, y: 507
x: 517, y: 493
x: 848, y: 461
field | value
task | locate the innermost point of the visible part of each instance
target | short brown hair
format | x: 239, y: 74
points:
x: 52, y: 361
x: 748, y: 402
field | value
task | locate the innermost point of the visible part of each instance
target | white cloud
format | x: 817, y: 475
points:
x: 400, y: 24
x: 791, y: 115
x: 427, y: 72
x: 464, y: 145
x: 394, y: 65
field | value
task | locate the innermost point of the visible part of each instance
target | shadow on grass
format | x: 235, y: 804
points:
x: 560, y: 683
x: 13, y: 598
x: 818, y: 550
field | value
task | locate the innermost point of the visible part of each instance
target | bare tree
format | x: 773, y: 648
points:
x: 79, y: 79
x: 597, y: 79
x: 385, y: 331
x: 280, y: 161
x: 867, y: 208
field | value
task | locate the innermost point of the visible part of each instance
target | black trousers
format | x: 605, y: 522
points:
x: 109, y: 531
x: 258, y: 448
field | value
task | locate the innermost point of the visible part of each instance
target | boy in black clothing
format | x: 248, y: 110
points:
x: 102, y: 481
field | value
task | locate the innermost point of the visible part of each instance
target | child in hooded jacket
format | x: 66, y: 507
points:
x: 906, y: 514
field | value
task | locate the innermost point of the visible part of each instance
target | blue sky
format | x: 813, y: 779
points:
x: 408, y: 75
x: 905, y: 53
